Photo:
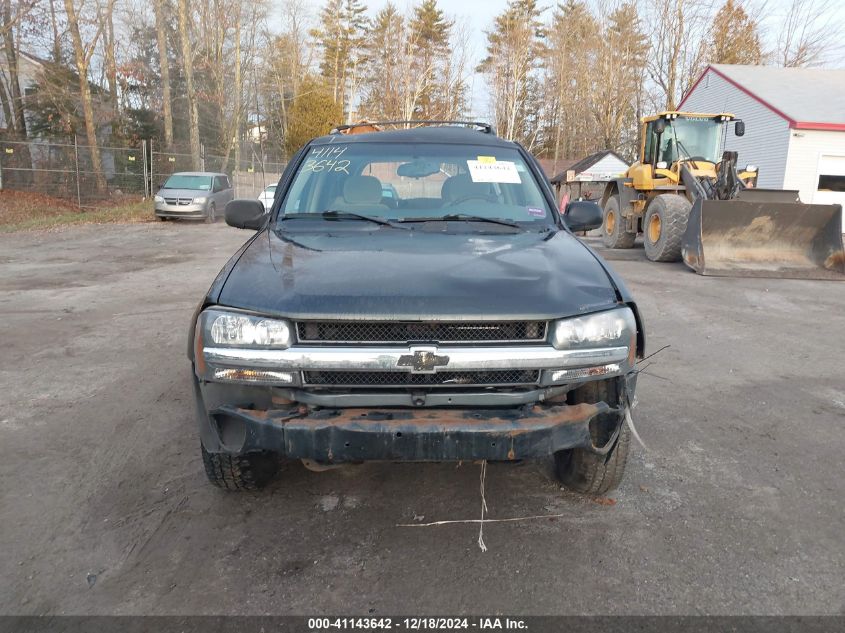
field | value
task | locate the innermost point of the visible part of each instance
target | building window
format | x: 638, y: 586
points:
x: 831, y: 182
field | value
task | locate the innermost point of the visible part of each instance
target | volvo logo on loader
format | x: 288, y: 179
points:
x: 423, y: 360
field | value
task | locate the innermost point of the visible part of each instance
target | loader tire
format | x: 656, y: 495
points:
x: 588, y: 473
x: 613, y: 230
x: 249, y: 471
x: 663, y: 227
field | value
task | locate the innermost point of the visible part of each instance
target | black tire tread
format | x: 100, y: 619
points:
x: 588, y: 473
x: 595, y: 477
x: 251, y: 471
x: 620, y: 237
x: 674, y: 214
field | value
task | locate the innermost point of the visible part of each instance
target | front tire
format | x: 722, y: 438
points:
x: 588, y: 473
x: 663, y: 227
x: 613, y: 230
x: 250, y: 471
x: 211, y: 215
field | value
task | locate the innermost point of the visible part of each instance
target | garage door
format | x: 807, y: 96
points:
x: 830, y: 188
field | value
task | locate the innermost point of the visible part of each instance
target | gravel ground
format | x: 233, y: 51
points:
x: 735, y: 507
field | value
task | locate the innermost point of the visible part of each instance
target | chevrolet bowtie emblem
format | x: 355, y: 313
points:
x: 422, y: 360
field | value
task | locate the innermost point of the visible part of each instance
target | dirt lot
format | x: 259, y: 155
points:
x: 737, y: 505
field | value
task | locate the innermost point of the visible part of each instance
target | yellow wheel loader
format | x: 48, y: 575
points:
x: 691, y: 203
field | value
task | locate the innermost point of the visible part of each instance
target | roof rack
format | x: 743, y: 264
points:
x: 483, y: 127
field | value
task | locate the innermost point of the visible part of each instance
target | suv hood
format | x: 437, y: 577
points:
x: 383, y: 273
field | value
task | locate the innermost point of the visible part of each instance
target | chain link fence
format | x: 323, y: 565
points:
x: 66, y: 170
x: 249, y: 175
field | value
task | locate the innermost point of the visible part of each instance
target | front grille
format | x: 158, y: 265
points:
x: 506, y: 377
x: 410, y: 331
x: 179, y: 201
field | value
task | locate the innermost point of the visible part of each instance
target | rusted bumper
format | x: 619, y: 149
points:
x: 343, y: 435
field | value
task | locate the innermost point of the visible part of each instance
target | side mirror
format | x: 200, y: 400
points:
x: 245, y: 214
x: 583, y: 215
x: 660, y: 126
x: 739, y: 128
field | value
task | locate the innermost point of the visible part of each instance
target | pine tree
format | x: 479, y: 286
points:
x: 618, y: 77
x: 313, y: 113
x: 735, y: 39
x: 515, y: 48
x: 429, y: 34
x: 341, y: 37
x: 382, y: 81
x: 572, y: 47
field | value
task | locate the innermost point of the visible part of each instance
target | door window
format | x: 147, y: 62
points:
x: 650, y: 142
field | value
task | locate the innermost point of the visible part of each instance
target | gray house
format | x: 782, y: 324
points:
x: 794, y: 122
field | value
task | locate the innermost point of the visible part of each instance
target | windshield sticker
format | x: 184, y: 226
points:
x: 326, y: 165
x: 537, y: 213
x: 486, y: 159
x: 503, y: 171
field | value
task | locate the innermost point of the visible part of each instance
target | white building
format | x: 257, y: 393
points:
x: 794, y: 124
x: 30, y: 70
x: 585, y: 178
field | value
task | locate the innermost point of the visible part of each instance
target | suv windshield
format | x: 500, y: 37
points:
x: 184, y: 181
x: 417, y: 183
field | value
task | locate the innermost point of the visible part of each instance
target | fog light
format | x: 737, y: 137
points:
x: 253, y: 375
x: 584, y: 372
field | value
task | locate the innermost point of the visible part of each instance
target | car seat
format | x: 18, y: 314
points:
x: 361, y: 194
x: 460, y: 187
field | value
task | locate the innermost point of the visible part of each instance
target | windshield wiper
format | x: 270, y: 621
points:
x: 334, y: 214
x: 463, y: 217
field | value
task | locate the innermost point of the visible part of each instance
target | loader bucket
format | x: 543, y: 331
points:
x: 765, y: 233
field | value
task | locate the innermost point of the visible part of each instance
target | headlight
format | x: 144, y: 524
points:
x: 614, y: 328
x: 233, y: 329
x: 200, y: 200
x: 158, y: 198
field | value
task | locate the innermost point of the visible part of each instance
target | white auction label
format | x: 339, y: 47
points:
x: 503, y: 171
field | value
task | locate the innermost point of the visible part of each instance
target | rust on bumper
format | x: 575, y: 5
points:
x: 341, y: 435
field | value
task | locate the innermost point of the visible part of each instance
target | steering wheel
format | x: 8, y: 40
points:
x: 472, y: 196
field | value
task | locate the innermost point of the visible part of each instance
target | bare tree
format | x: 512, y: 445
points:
x: 82, y: 54
x: 13, y: 104
x: 680, y: 30
x: 110, y: 65
x: 159, y: 7
x: 190, y: 89
x: 808, y: 33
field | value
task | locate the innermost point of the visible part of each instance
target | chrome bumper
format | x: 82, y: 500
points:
x: 413, y: 359
x: 288, y: 367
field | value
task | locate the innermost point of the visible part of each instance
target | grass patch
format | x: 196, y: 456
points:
x: 21, y: 211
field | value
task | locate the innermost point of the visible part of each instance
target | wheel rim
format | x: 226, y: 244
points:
x: 610, y: 222
x: 654, y: 228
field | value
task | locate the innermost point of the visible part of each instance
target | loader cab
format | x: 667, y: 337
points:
x: 670, y: 137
